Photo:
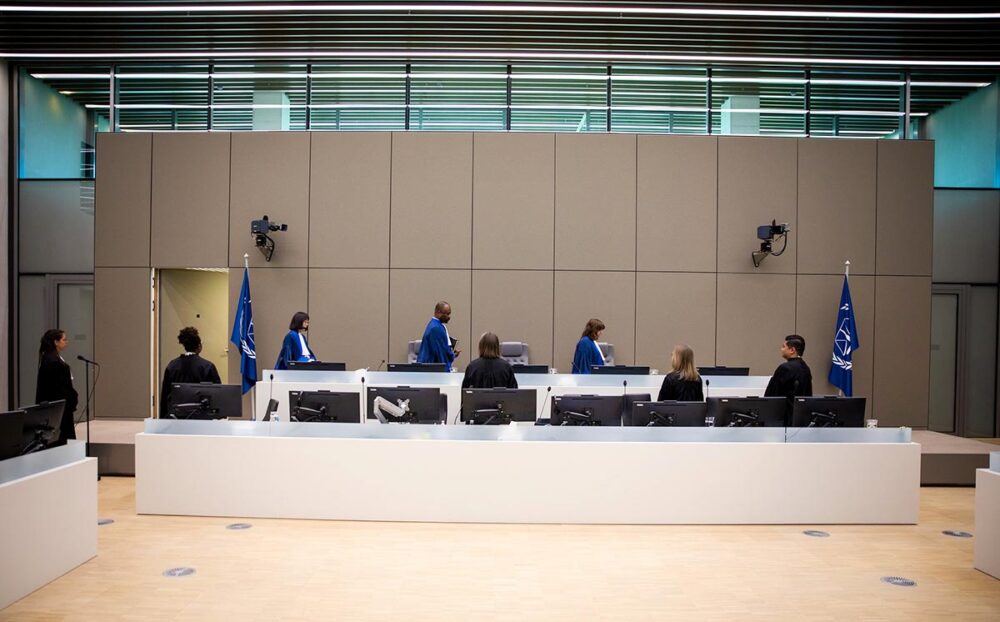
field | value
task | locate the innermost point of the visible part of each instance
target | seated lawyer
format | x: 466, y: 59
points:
x: 793, y: 377
x: 188, y: 367
x: 436, y: 345
x: 489, y: 371
x: 295, y: 347
x: 683, y: 383
x: 588, y: 353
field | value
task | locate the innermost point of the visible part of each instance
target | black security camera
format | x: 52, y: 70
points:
x: 768, y: 233
x: 259, y: 230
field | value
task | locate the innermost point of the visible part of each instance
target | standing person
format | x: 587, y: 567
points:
x: 295, y: 347
x: 683, y: 383
x: 588, y: 353
x: 489, y: 371
x: 436, y: 346
x: 188, y: 367
x: 55, y: 379
x: 793, y: 377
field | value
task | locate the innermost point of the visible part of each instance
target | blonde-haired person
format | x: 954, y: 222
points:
x: 489, y: 371
x: 683, y: 383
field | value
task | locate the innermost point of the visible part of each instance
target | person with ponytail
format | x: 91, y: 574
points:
x: 55, y: 379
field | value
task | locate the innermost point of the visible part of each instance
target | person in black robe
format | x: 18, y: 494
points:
x: 793, y: 377
x: 489, y: 371
x: 683, y: 383
x: 188, y: 367
x: 55, y: 380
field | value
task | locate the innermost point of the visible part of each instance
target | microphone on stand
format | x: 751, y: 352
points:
x: 380, y: 365
x: 86, y: 360
x: 545, y: 404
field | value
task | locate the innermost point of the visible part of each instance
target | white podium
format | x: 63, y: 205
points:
x: 48, y: 514
x: 987, y: 536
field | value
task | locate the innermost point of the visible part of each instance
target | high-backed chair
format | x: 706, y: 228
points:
x: 514, y: 352
x: 412, y: 349
x: 608, y: 350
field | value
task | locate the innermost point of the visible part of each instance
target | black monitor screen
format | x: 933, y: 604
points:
x: 205, y: 401
x: 418, y: 367
x: 324, y: 406
x: 11, y: 432
x: 669, y: 413
x: 628, y: 402
x: 724, y: 371
x: 828, y: 412
x: 620, y: 370
x: 603, y: 410
x: 42, y: 425
x: 316, y: 366
x: 498, y: 406
x: 739, y: 412
x: 421, y: 404
x: 521, y: 368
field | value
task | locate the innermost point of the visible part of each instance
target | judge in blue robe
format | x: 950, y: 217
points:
x: 587, y: 351
x: 435, y: 345
x: 295, y: 347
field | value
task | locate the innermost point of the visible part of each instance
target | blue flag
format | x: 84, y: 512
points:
x: 845, y: 342
x: 243, y: 335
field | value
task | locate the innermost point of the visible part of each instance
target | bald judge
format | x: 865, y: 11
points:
x: 436, y: 346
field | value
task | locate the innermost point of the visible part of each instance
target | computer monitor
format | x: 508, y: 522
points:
x: 414, y: 404
x: 324, y: 406
x: 11, y: 434
x: 828, y: 412
x: 316, y: 366
x: 205, y: 401
x: 620, y: 370
x: 42, y: 426
x: 418, y: 367
x: 628, y: 402
x: 522, y: 368
x: 603, y: 410
x: 739, y: 412
x: 722, y: 370
x: 669, y: 413
x: 498, y: 406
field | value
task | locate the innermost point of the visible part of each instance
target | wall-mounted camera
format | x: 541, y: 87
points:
x: 259, y: 230
x: 769, y: 234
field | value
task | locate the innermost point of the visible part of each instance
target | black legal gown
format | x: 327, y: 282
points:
x: 55, y: 382
x: 792, y: 378
x: 186, y: 368
x: 489, y: 374
x: 675, y: 388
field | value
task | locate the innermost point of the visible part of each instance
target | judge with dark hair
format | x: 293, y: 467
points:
x: 295, y: 347
x: 489, y: 371
x: 188, y: 367
x: 793, y: 377
x: 55, y: 380
x: 588, y: 353
x: 436, y: 345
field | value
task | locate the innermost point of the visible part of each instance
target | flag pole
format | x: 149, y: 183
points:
x: 253, y: 389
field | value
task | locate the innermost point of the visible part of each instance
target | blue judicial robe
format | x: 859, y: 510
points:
x: 435, y: 346
x: 291, y: 350
x: 587, y: 354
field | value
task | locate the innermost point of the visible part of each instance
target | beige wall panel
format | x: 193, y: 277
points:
x: 122, y: 343
x: 513, y: 201
x: 121, y: 236
x: 270, y: 176
x: 674, y: 308
x: 349, y: 200
x: 349, y: 308
x: 818, y: 302
x: 579, y: 296
x: 276, y: 294
x: 595, y: 202
x: 190, y: 200
x: 431, y: 214
x: 757, y: 180
x: 412, y: 296
x: 756, y: 311
x: 902, y: 358
x: 836, y: 206
x: 905, y: 207
x: 676, y: 208
x: 517, y: 306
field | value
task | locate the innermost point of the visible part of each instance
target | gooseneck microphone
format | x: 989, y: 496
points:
x: 545, y: 404
x: 80, y: 357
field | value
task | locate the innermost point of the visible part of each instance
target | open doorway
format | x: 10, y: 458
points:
x: 192, y: 297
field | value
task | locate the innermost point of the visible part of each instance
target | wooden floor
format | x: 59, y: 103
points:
x: 317, y: 570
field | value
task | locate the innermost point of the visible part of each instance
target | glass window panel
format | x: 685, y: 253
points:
x: 458, y: 97
x: 56, y: 226
x: 765, y: 102
x: 654, y: 99
x: 168, y: 98
x: 855, y: 104
x: 262, y: 97
x: 358, y: 97
x: 61, y: 108
x: 559, y: 98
